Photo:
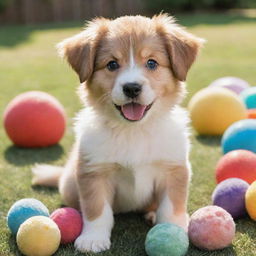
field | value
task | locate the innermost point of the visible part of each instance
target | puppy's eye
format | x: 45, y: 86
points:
x: 151, y: 64
x: 113, y: 65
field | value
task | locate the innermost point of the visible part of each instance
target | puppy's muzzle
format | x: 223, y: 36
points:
x: 132, y: 90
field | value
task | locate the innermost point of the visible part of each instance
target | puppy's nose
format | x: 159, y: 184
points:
x: 132, y: 90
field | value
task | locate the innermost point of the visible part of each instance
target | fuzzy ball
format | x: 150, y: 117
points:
x: 240, y: 135
x: 249, y: 97
x: 250, y: 200
x: 69, y: 222
x: 211, y: 228
x: 230, y: 195
x: 34, y: 119
x: 22, y: 210
x: 166, y: 240
x: 251, y: 113
x: 38, y: 236
x: 213, y: 110
x: 234, y: 84
x: 237, y: 164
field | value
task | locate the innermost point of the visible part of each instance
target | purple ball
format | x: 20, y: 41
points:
x: 234, y: 84
x: 230, y: 195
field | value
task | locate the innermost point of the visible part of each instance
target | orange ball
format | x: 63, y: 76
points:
x: 34, y: 119
x: 251, y: 113
x: 237, y: 164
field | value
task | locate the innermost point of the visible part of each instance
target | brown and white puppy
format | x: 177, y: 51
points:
x: 132, y: 146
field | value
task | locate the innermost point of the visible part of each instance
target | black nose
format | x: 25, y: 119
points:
x: 132, y: 90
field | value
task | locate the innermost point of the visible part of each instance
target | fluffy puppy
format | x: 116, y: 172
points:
x: 132, y: 146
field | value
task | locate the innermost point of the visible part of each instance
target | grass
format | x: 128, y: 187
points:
x: 28, y: 61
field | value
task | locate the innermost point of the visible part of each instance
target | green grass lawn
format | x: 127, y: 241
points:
x: 28, y: 61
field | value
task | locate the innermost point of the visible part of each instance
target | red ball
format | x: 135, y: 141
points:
x: 237, y: 164
x: 34, y: 119
x: 70, y: 223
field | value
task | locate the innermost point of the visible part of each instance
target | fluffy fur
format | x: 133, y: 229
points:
x: 118, y: 164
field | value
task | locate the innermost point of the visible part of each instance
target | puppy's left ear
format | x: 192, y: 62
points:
x: 182, y: 47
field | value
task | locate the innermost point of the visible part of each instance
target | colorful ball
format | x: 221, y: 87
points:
x: 230, y: 195
x: 34, y: 119
x: 69, y: 222
x: 237, y: 164
x: 22, y: 210
x: 38, y: 236
x: 211, y: 228
x: 249, y: 97
x: 213, y: 110
x: 166, y: 240
x: 240, y: 135
x: 250, y: 200
x: 251, y: 113
x: 234, y: 84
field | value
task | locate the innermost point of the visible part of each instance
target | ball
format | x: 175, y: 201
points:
x: 211, y: 228
x: 230, y: 195
x: 249, y: 97
x: 234, y: 84
x: 22, y: 210
x: 166, y: 239
x: 250, y: 200
x: 213, y: 110
x: 240, y: 135
x: 237, y: 164
x: 251, y: 113
x: 69, y: 222
x: 38, y: 236
x: 34, y: 119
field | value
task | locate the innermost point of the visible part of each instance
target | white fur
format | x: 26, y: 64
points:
x: 96, y: 234
x: 134, y: 147
x: 165, y: 210
x: 132, y: 74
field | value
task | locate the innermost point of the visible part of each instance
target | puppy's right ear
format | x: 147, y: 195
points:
x: 80, y: 50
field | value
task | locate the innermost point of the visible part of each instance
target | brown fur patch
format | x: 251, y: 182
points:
x: 95, y: 187
x: 80, y: 50
x: 175, y: 183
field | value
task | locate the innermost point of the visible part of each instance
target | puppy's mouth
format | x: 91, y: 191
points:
x: 133, y: 111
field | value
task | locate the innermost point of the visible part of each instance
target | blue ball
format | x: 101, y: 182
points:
x: 230, y: 195
x: 240, y: 135
x: 166, y: 239
x: 249, y: 97
x: 24, y: 209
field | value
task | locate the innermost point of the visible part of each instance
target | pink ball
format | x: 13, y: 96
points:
x: 211, y: 228
x: 69, y: 222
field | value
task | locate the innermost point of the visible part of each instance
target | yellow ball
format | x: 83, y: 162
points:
x: 38, y: 236
x: 250, y: 200
x: 213, y: 110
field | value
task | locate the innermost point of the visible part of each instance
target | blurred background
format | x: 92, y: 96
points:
x: 38, y: 11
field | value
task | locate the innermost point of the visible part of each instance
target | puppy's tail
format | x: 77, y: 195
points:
x: 46, y: 175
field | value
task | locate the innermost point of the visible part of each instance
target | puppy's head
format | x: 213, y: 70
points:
x: 132, y: 67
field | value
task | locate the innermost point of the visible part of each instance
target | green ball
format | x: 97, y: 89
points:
x: 166, y: 240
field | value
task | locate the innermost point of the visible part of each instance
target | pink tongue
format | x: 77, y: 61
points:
x: 133, y: 111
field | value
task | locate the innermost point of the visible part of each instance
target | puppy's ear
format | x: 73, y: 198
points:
x: 182, y: 47
x: 80, y: 50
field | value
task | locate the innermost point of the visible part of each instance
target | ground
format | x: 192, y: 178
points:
x: 28, y: 61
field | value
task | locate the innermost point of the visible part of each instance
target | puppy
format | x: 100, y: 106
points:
x: 131, y: 150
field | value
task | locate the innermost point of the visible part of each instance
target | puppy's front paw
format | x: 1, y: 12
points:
x: 93, y: 242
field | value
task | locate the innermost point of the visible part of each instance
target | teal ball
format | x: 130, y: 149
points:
x: 249, y: 97
x: 24, y: 209
x: 166, y: 239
